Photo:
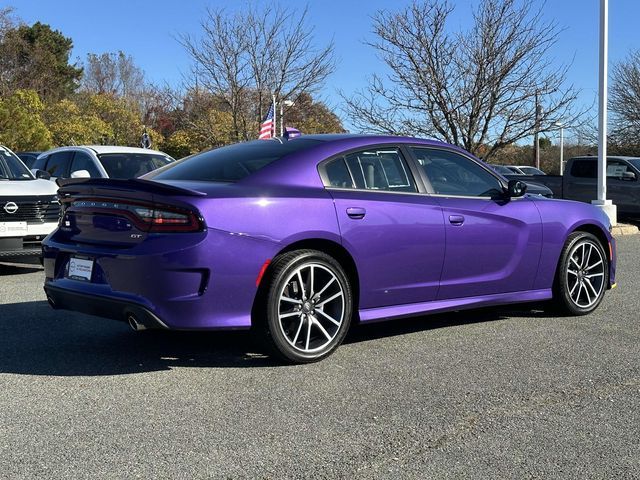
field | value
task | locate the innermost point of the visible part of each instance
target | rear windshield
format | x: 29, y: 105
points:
x: 233, y: 162
x: 11, y: 168
x: 131, y: 165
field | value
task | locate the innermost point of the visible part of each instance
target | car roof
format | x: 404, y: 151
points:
x: 609, y: 157
x: 102, y: 149
x: 299, y: 167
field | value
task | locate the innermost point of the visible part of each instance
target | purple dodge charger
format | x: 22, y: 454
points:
x: 300, y: 238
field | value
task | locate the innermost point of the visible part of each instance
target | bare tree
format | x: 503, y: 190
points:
x: 7, y: 23
x: 476, y: 88
x: 246, y: 57
x: 624, y: 102
x: 113, y: 73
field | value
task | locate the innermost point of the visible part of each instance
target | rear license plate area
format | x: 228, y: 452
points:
x: 80, y: 269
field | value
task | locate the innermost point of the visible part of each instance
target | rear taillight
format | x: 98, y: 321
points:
x: 168, y: 220
x: 146, y: 217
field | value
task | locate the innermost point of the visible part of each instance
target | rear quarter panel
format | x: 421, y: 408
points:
x: 246, y: 231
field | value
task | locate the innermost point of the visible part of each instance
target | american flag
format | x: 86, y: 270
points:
x: 266, y: 128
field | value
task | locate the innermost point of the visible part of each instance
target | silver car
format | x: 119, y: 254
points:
x: 100, y: 161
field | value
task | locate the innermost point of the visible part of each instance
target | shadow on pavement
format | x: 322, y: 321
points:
x: 37, y: 340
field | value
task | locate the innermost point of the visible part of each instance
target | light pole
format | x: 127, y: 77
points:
x: 288, y: 103
x: 561, y: 126
x: 601, y: 200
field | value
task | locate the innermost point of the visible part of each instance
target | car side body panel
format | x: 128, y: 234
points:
x: 492, y: 246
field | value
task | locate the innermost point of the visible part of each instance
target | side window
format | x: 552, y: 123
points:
x: 82, y: 161
x: 584, y: 169
x: 619, y: 170
x: 373, y: 169
x: 58, y: 164
x: 453, y: 174
x: 338, y: 174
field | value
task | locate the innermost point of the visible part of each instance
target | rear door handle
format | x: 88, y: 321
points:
x: 356, y: 213
x: 456, y: 219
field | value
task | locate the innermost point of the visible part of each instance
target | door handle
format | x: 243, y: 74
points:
x: 456, y: 219
x: 356, y: 213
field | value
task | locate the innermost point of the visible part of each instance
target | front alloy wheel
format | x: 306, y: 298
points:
x: 309, y: 306
x: 583, y: 274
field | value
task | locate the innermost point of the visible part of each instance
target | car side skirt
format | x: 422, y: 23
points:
x: 398, y: 311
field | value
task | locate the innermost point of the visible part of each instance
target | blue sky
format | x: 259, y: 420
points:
x: 147, y: 30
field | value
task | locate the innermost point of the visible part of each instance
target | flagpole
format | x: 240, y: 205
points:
x: 275, y: 120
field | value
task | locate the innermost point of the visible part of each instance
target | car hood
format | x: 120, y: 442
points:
x: 538, y: 189
x: 20, y: 188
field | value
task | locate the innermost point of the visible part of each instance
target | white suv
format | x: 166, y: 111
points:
x: 100, y: 161
x: 29, y: 207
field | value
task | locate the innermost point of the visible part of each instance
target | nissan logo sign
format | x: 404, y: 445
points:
x: 10, y: 208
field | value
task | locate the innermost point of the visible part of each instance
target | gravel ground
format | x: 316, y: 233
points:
x: 493, y: 393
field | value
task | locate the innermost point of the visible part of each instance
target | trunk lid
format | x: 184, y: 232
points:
x: 123, y: 213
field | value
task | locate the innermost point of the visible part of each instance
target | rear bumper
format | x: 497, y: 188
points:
x: 202, y: 281
x: 105, y: 307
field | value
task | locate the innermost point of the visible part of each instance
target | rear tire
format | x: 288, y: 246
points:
x: 309, y: 305
x: 582, y: 275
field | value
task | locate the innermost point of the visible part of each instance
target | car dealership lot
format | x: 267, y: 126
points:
x: 491, y: 393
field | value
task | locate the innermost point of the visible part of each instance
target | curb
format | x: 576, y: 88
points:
x: 623, y: 229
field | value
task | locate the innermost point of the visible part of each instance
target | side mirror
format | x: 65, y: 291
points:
x: 43, y: 174
x: 628, y: 176
x: 516, y: 188
x: 80, y: 174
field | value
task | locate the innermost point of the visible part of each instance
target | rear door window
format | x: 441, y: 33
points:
x: 371, y: 169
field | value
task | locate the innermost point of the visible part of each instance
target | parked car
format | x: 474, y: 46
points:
x: 579, y: 181
x: 28, y: 158
x: 532, y: 187
x: 524, y: 170
x: 29, y: 208
x: 100, y: 161
x: 514, y: 170
x: 300, y: 238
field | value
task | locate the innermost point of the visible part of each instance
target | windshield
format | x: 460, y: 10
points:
x: 132, y: 165
x: 232, y: 163
x: 635, y: 162
x: 11, y: 168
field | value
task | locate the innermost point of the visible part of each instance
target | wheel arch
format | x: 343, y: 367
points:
x: 598, y: 232
x: 330, y: 247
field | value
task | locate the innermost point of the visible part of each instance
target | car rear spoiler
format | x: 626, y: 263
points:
x: 97, y: 186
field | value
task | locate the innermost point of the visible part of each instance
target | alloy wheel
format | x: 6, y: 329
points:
x: 585, y: 274
x: 311, y: 307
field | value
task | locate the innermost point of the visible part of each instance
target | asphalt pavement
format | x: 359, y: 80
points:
x: 492, y: 393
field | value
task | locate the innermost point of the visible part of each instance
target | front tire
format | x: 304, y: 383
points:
x: 309, y: 305
x: 582, y: 275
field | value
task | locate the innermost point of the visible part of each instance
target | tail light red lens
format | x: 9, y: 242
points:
x: 146, y: 217
x: 165, y: 220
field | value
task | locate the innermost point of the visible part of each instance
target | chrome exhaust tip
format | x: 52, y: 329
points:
x: 134, y: 324
x: 51, y: 301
